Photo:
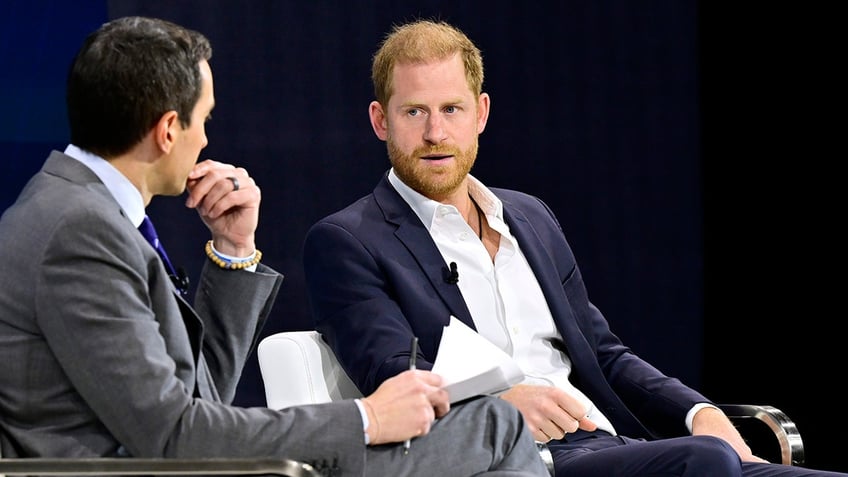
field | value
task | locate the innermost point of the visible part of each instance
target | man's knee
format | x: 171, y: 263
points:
x: 710, y: 451
x: 500, y: 409
x: 493, y: 411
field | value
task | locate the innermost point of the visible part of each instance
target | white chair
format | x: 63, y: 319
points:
x: 298, y: 367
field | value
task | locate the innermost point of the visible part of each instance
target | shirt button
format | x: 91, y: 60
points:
x: 463, y: 236
x: 515, y: 330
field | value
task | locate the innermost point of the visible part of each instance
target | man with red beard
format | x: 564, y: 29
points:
x: 386, y: 269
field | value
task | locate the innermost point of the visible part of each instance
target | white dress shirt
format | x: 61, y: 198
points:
x: 504, y: 297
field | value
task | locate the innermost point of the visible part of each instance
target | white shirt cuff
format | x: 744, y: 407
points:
x: 690, y: 416
x: 364, y: 414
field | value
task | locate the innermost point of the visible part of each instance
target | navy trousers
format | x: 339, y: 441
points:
x: 599, y: 453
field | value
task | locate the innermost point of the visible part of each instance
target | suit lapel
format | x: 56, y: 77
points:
x: 586, y: 372
x: 62, y: 165
x: 415, y: 237
x: 541, y: 262
x: 193, y: 324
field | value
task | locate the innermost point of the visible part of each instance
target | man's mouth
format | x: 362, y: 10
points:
x: 436, y: 157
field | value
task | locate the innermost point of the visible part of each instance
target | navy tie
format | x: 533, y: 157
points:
x: 149, y: 232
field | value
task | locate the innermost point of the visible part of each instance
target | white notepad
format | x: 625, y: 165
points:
x: 471, y: 365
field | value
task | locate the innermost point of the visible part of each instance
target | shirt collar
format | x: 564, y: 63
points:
x: 124, y: 192
x: 425, y: 208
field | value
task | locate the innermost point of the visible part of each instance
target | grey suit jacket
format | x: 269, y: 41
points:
x: 101, y: 356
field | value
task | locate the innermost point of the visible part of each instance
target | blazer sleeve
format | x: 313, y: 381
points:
x: 233, y: 306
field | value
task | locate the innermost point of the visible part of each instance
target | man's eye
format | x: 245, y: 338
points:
x: 413, y: 112
x: 450, y: 109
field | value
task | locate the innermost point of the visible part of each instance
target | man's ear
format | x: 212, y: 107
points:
x: 378, y: 120
x: 483, y: 105
x: 166, y: 130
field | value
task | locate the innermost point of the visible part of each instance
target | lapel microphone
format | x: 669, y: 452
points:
x: 452, y: 275
x: 181, y: 280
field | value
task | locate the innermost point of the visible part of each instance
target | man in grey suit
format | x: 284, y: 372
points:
x: 105, y: 357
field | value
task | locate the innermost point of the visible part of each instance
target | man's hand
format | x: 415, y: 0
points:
x: 405, y: 406
x: 710, y: 421
x: 550, y: 412
x: 230, y: 212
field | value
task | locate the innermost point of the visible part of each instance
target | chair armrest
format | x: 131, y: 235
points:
x: 788, y: 437
x: 155, y: 466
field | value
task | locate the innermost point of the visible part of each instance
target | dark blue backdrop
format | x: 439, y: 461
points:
x: 599, y: 108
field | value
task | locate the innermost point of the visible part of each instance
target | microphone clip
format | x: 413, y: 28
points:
x: 452, y: 274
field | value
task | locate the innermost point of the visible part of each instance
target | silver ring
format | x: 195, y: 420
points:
x: 235, y: 183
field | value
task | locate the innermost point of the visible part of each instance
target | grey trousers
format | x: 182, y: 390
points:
x: 485, y: 436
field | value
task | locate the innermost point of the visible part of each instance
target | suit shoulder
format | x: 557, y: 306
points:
x: 353, y: 211
x: 53, y: 204
x: 518, y: 199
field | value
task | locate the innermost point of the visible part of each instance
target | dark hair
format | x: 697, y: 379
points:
x: 126, y: 75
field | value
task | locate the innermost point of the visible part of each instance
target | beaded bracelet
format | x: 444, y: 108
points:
x: 229, y: 264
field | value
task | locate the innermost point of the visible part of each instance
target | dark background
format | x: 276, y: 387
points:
x: 676, y: 141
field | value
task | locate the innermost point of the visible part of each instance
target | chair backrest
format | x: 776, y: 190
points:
x: 298, y: 367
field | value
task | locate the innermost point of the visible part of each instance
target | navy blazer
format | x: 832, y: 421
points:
x: 375, y: 278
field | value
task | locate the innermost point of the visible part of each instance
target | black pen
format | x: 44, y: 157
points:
x: 413, y: 354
